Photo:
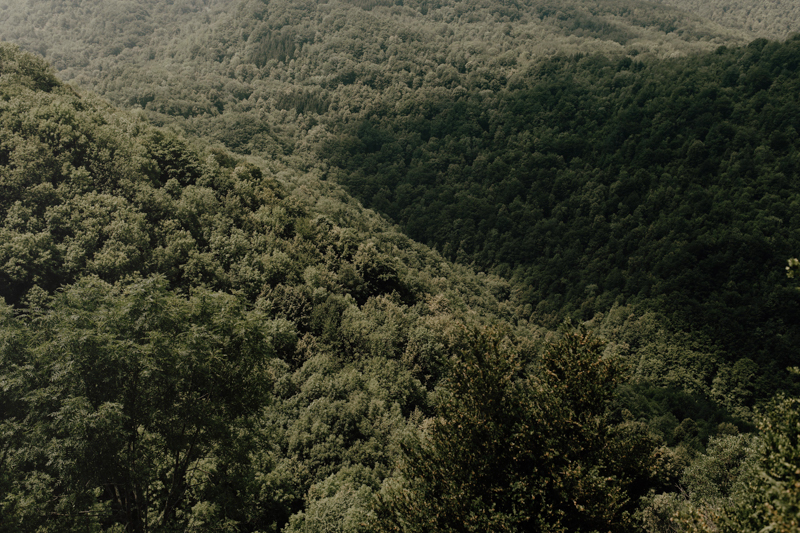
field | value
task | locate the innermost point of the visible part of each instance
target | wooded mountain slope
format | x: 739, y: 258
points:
x: 771, y: 19
x: 243, y: 70
x: 556, y: 144
x: 573, y: 176
x: 187, y: 346
x: 243, y: 347
x: 592, y: 180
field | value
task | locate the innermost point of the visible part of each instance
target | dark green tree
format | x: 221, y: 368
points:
x: 137, y: 404
x: 518, y: 450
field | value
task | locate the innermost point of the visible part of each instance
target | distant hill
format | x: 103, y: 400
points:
x: 251, y: 62
x: 771, y: 19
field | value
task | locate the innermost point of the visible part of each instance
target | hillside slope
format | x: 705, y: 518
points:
x: 243, y: 71
x: 197, y: 340
x: 185, y: 342
x: 592, y: 181
x: 597, y: 154
x: 770, y: 19
x: 609, y: 159
x: 190, y: 342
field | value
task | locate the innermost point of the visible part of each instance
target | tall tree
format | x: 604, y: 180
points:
x: 516, y: 450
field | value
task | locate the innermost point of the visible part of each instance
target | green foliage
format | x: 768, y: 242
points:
x: 25, y: 71
x: 203, y: 342
x: 772, y: 20
x: 743, y: 483
x: 546, y: 142
x: 792, y: 268
x: 710, y: 486
x: 480, y: 126
x: 577, y: 184
x: 134, y: 403
x: 780, y: 463
x: 517, y: 450
x: 189, y: 344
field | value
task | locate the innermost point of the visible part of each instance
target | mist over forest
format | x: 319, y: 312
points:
x: 399, y: 265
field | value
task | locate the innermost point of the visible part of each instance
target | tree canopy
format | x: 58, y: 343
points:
x: 202, y: 329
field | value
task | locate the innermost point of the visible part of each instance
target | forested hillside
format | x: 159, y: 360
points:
x: 771, y: 19
x: 206, y: 327
x: 184, y: 345
x: 243, y: 71
x: 597, y: 180
x: 187, y: 344
x: 571, y: 175
x: 558, y: 146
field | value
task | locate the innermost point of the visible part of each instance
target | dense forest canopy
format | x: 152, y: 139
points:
x: 599, y: 181
x: 626, y: 164
x: 454, y: 119
x: 771, y: 19
x: 186, y: 343
x: 255, y: 61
